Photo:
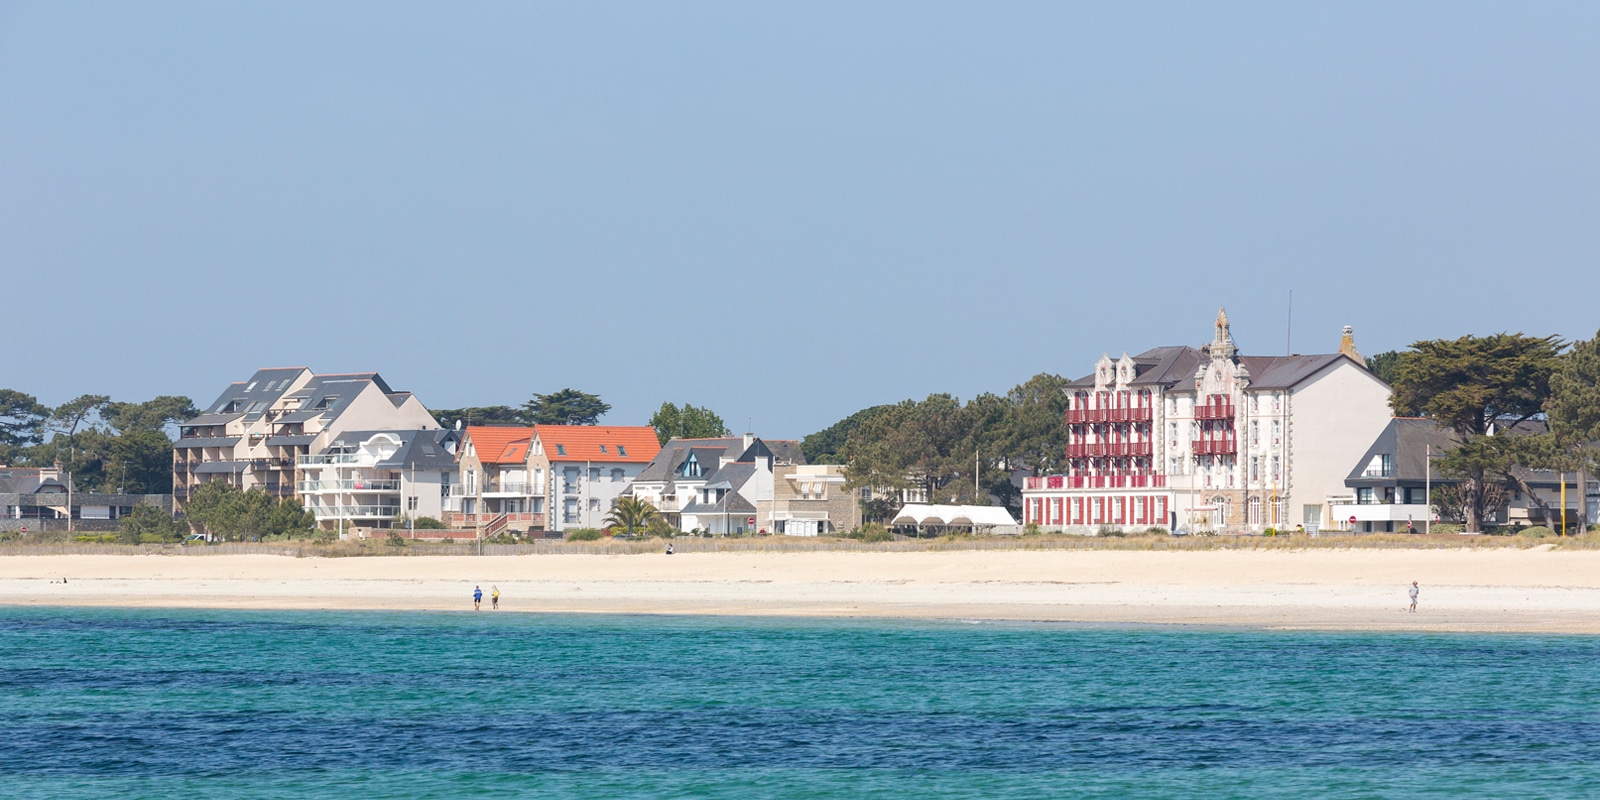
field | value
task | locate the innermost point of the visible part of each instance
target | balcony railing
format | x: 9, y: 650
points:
x: 1222, y: 410
x: 1096, y: 482
x: 386, y: 485
x: 328, y: 458
x: 1215, y: 447
x: 1097, y: 415
x: 510, y: 487
x: 1108, y: 449
x: 356, y: 512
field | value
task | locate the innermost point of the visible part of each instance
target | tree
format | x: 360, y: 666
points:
x: 911, y: 444
x: 1385, y: 365
x: 566, y: 407
x: 21, y: 423
x: 227, y: 513
x: 151, y: 415
x: 631, y: 513
x: 1574, y: 413
x: 1473, y: 386
x: 827, y: 446
x: 146, y: 522
x: 688, y: 422
x: 477, y: 415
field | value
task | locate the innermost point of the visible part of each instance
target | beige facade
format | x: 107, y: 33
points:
x: 258, y: 432
x: 809, y: 500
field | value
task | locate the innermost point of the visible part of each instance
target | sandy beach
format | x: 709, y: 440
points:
x: 1531, y: 590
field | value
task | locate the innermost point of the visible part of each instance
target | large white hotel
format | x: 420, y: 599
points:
x: 1208, y: 439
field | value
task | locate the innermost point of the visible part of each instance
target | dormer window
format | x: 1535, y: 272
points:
x: 328, y: 402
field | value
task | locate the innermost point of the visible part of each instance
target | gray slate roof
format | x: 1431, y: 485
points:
x: 1170, y: 367
x: 668, y: 464
x: 1406, y: 440
x: 212, y: 441
x: 23, y: 480
x: 424, y: 450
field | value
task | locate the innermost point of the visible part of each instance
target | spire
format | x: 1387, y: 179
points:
x: 1347, y: 346
x: 1222, y: 343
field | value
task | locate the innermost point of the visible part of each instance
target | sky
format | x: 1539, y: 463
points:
x: 785, y: 212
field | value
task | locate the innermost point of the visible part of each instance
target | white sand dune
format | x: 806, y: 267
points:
x: 1462, y: 590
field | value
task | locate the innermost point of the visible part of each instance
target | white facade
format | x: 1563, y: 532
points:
x: 380, y: 483
x: 1207, y: 439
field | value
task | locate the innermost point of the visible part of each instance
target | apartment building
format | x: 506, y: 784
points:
x: 1209, y: 439
x: 255, y: 432
x: 379, y: 479
x: 809, y: 500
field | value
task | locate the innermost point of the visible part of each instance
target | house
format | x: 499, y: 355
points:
x: 1391, y: 485
x: 719, y: 485
x: 499, y: 489
x: 590, y: 466
x: 809, y: 500
x: 379, y: 479
x: 254, y: 434
x: 547, y: 477
x: 1211, y: 439
x: 39, y: 498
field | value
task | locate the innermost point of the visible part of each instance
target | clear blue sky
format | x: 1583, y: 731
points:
x: 786, y: 212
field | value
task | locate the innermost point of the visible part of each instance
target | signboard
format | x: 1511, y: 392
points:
x: 1352, y: 519
x: 751, y: 520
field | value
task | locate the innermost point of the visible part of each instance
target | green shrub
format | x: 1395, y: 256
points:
x: 1536, y: 532
x: 1109, y: 531
x: 148, y: 523
x: 584, y: 535
x: 872, y: 533
x: 396, y: 540
x: 1444, y: 527
x: 1154, y: 531
x: 427, y: 524
x: 1031, y: 529
x: 659, y: 528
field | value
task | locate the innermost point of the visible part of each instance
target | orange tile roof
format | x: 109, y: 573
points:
x: 599, y: 443
x: 500, y: 444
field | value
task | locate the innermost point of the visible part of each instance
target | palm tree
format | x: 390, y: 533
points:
x: 631, y: 513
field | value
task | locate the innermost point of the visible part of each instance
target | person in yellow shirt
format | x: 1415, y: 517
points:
x: 494, y: 598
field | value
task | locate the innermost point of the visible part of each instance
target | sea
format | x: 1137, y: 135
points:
x: 274, y: 704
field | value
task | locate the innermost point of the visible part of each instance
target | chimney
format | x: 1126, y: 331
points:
x: 1347, y: 346
x: 749, y: 439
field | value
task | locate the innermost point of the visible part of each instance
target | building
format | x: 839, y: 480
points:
x: 1209, y: 439
x: 254, y: 434
x: 547, y: 477
x: 499, y: 489
x: 590, y: 466
x: 38, y: 499
x: 809, y: 500
x: 717, y: 485
x: 379, y: 479
x: 1390, y: 485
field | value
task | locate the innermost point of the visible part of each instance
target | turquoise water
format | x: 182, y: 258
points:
x: 167, y: 703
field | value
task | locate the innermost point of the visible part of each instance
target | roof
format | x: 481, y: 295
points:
x: 1169, y: 367
x: 189, y: 442
x: 668, y: 464
x: 250, y: 398
x: 426, y: 450
x: 920, y: 514
x: 25, y: 480
x: 500, y: 444
x: 1408, y: 441
x: 633, y: 444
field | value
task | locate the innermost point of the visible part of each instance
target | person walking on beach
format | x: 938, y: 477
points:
x: 494, y: 598
x: 1413, y: 592
x: 477, y: 598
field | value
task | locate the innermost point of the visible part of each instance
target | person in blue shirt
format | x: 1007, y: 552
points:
x: 477, y: 597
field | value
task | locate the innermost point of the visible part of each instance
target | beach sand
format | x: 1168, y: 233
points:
x: 1532, y: 590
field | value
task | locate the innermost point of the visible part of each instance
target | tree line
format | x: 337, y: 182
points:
x: 106, y: 445
x: 574, y: 407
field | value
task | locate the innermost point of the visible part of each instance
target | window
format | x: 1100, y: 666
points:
x: 569, y: 510
x: 1255, y: 468
x: 1255, y: 432
x: 1255, y: 403
x: 411, y: 504
x: 1253, y: 509
x: 561, y: 449
x: 594, y: 504
x: 251, y: 387
x: 622, y: 450
x: 1172, y: 431
x: 1277, y: 468
x: 1277, y: 432
x: 594, y: 473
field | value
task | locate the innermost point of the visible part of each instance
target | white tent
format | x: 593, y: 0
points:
x: 964, y: 516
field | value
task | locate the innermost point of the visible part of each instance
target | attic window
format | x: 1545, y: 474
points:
x: 603, y: 449
x: 251, y: 387
x: 561, y: 449
x: 229, y: 407
x: 328, y: 402
x: 622, y: 450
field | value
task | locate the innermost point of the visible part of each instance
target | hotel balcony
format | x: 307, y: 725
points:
x: 1096, y: 482
x: 1215, y: 447
x: 1214, y: 411
x: 1079, y: 416
x: 312, y: 487
x: 1108, y: 450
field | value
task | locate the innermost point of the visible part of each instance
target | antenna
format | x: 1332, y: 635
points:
x: 1288, y: 328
